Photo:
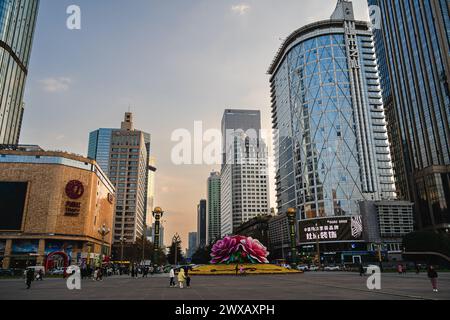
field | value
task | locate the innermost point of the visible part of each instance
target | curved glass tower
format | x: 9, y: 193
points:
x: 331, y: 140
x: 17, y: 23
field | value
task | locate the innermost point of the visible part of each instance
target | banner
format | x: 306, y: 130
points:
x: 331, y: 229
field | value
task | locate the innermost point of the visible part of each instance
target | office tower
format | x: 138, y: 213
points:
x: 213, y: 207
x: 244, y: 174
x: 192, y: 238
x: 17, y: 24
x: 412, y: 45
x: 201, y: 224
x: 331, y: 143
x: 128, y: 169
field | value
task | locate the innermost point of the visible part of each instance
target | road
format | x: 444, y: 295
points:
x: 308, y: 286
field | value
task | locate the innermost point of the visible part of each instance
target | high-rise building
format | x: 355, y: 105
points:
x: 192, y: 238
x: 331, y: 143
x: 126, y: 153
x: 17, y: 24
x: 412, y: 44
x: 201, y: 224
x: 213, y: 222
x: 244, y: 174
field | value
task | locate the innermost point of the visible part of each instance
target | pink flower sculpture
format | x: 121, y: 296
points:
x: 239, y: 249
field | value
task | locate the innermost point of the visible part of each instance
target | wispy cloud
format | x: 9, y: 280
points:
x: 240, y: 8
x: 53, y: 85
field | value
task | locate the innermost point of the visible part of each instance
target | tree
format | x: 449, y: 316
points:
x: 171, y: 255
x: 202, y: 255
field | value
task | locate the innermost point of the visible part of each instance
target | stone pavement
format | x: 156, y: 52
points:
x: 308, y: 286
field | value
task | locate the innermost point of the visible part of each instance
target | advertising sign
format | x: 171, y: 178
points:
x: 25, y: 246
x: 331, y: 229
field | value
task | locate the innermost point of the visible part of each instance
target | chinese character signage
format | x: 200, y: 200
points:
x: 331, y: 229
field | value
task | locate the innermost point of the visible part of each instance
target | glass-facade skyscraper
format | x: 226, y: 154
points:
x: 17, y: 24
x: 201, y: 224
x: 213, y: 207
x: 244, y: 179
x: 331, y: 143
x: 412, y: 44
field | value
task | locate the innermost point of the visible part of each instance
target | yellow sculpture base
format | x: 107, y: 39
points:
x: 249, y: 269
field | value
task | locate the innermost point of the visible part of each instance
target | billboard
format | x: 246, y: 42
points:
x: 12, y: 205
x: 331, y: 229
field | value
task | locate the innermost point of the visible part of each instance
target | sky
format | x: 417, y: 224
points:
x: 171, y: 63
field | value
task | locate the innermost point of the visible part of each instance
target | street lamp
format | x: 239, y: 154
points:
x: 176, y: 240
x: 103, y: 231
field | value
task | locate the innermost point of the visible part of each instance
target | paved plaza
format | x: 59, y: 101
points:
x: 308, y: 286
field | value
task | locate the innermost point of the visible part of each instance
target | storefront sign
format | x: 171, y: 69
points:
x: 331, y: 229
x: 74, y: 191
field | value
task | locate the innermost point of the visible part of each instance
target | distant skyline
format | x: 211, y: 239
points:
x: 170, y: 63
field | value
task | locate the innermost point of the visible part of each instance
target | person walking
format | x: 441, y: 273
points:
x: 361, y: 270
x: 188, y: 278
x: 181, y: 278
x: 29, y: 277
x: 237, y: 269
x: 172, y: 277
x: 40, y: 275
x: 433, y: 276
x: 400, y: 269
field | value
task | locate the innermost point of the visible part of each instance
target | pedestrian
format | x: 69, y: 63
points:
x: 400, y: 268
x: 100, y: 274
x: 188, y: 278
x: 29, y: 277
x: 433, y: 276
x: 132, y: 271
x: 242, y: 270
x: 404, y: 267
x: 361, y: 270
x: 417, y: 268
x: 181, y: 278
x: 237, y: 269
x: 95, y: 277
x: 172, y: 277
x: 41, y: 275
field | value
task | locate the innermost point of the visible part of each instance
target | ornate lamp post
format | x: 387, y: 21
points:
x: 157, y: 214
x: 103, y: 231
x: 122, y: 241
x: 176, y: 240
x: 291, y: 215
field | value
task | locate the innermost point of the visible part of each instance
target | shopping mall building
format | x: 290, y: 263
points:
x: 53, y: 208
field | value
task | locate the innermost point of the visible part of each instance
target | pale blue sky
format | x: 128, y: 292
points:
x: 173, y: 61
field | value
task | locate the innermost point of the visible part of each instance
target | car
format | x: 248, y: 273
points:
x: 313, y: 268
x: 332, y: 268
x: 57, y: 272
x: 6, y: 272
x: 302, y: 268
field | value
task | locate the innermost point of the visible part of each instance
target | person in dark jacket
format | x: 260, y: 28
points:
x: 433, y: 275
x: 361, y: 269
x: 188, y: 278
x: 30, y: 277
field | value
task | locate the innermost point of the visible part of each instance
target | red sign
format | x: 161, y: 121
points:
x: 74, y: 189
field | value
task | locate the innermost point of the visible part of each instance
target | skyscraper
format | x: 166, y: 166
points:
x: 331, y: 143
x: 17, y: 24
x: 412, y: 45
x: 213, y: 207
x: 201, y: 224
x: 244, y: 174
x: 192, y: 244
x: 126, y: 153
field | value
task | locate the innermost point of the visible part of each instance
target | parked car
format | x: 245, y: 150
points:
x: 332, y: 268
x: 302, y: 268
x: 57, y: 272
x: 313, y: 268
x: 6, y: 272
